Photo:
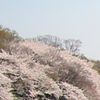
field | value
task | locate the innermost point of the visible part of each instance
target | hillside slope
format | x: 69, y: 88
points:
x: 35, y: 71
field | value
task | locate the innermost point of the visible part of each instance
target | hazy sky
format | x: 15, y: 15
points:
x: 68, y: 19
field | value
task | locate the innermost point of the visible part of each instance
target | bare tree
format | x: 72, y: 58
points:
x: 50, y: 40
x: 72, y: 46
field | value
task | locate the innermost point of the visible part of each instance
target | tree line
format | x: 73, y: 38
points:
x: 71, y: 45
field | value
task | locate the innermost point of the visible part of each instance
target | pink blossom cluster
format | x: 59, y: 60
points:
x: 29, y: 60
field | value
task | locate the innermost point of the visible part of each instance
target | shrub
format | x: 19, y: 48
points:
x: 21, y: 89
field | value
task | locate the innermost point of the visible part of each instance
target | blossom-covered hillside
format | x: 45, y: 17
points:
x: 35, y: 71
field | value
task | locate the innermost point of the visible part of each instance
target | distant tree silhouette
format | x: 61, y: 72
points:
x: 70, y: 45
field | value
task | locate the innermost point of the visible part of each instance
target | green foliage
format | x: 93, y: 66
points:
x: 6, y: 36
x: 97, y: 69
x: 96, y: 66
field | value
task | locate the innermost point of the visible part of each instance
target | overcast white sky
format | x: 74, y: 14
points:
x: 68, y: 19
